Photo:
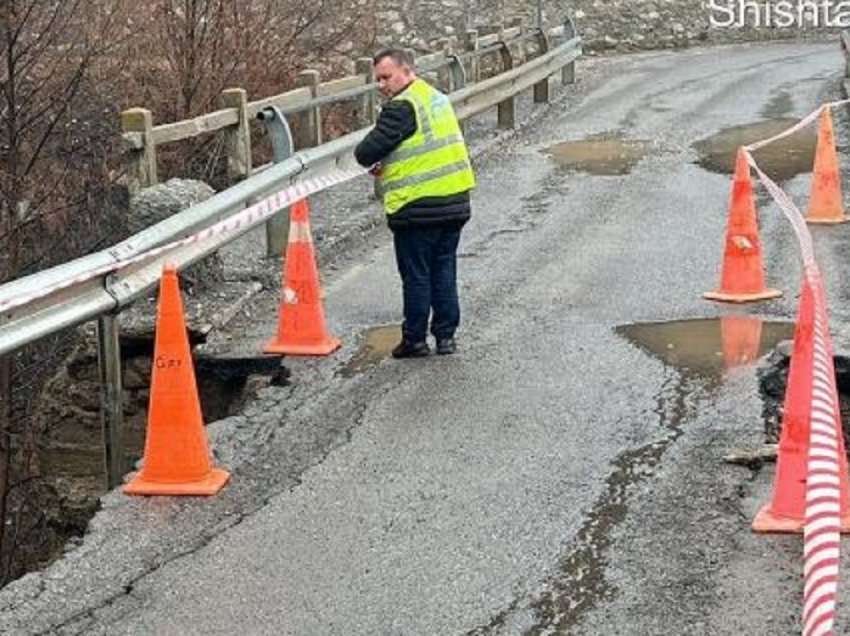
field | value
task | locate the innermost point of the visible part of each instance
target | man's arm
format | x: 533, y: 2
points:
x: 396, y: 123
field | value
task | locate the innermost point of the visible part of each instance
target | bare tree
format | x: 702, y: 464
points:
x: 67, y: 67
x: 184, y: 53
x: 210, y: 44
x: 47, y: 154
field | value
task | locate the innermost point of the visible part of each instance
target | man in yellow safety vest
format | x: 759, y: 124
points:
x: 417, y: 152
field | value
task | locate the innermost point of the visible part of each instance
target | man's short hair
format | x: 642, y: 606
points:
x: 399, y: 56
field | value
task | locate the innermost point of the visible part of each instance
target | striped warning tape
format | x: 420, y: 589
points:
x: 251, y: 215
x: 805, y: 121
x: 822, y: 529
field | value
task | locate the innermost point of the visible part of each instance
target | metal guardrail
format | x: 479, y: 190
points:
x: 86, y: 300
x: 34, y: 314
x: 452, y: 70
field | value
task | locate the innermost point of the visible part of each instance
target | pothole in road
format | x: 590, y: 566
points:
x: 772, y: 384
x: 604, y: 156
x: 708, y: 347
x: 378, y: 342
x: 780, y: 160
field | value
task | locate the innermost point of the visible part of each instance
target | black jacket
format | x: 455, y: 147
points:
x: 396, y: 123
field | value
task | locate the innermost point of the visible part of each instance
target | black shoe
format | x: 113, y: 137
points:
x: 405, y: 349
x: 446, y: 346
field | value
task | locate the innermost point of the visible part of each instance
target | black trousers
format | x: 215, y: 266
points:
x: 427, y: 262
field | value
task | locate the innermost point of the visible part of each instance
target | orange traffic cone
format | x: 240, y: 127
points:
x: 301, y: 325
x: 177, y: 459
x: 826, y: 204
x: 740, y: 338
x: 786, y: 511
x: 742, y: 278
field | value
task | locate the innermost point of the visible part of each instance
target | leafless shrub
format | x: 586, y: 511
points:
x: 67, y: 69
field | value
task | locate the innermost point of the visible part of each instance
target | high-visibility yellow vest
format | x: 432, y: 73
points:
x: 433, y: 161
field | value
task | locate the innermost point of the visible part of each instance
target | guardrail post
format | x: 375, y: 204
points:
x: 239, y: 136
x: 485, y: 71
x: 366, y: 110
x: 307, y: 126
x: 844, y: 38
x: 457, y: 73
x: 411, y: 53
x: 111, y: 398
x: 443, y: 74
x: 277, y: 227
x: 568, y: 73
x: 457, y: 76
x: 137, y: 126
x: 541, y: 88
x: 518, y: 22
x: 506, y: 108
x: 470, y: 45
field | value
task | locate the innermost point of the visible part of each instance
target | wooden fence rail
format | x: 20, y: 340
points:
x: 502, y: 48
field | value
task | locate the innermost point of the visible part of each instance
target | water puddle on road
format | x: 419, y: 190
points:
x: 708, y: 347
x: 378, y: 342
x: 780, y: 160
x: 604, y: 156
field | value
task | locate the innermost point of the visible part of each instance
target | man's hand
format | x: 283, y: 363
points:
x: 376, y: 169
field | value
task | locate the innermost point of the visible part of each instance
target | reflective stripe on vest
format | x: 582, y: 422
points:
x: 432, y: 144
x: 433, y: 161
x: 422, y: 177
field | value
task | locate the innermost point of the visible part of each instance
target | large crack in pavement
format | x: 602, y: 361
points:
x: 579, y: 583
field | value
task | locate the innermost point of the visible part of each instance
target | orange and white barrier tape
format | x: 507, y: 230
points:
x: 822, y: 530
x: 256, y: 213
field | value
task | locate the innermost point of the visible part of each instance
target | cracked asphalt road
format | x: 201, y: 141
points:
x: 551, y: 478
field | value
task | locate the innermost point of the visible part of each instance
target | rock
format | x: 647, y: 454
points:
x: 159, y: 202
x: 752, y: 458
x: 678, y: 22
